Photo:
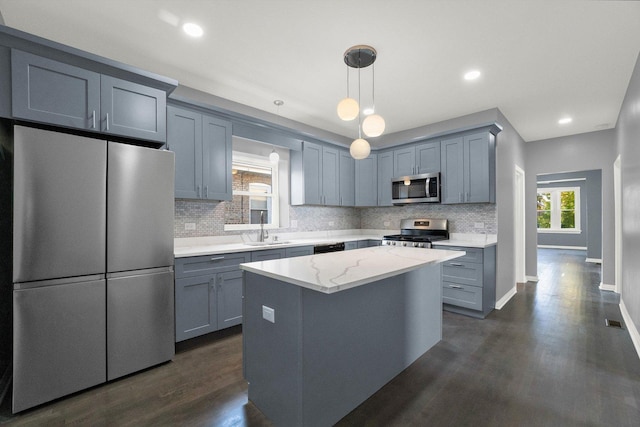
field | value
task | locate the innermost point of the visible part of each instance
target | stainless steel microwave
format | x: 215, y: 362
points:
x: 424, y: 188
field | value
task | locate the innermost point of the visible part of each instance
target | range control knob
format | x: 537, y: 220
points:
x: 404, y: 243
x: 421, y: 245
x: 414, y: 244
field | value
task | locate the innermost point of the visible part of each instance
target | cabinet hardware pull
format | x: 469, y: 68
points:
x: 107, y: 121
x: 93, y: 119
x: 456, y: 287
x: 206, y: 191
x: 217, y: 258
x: 460, y: 197
x: 455, y: 264
x: 197, y: 190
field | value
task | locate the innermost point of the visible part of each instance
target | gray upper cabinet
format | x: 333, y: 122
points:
x: 468, y: 168
x: 428, y: 157
x: 315, y: 175
x: 52, y: 92
x: 385, y: 174
x: 416, y: 159
x: 133, y: 110
x: 331, y: 176
x: 367, y: 181
x: 216, y: 158
x: 202, y: 146
x: 48, y: 91
x: 404, y: 161
x: 347, y: 177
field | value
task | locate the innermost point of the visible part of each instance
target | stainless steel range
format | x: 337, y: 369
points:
x: 418, y: 233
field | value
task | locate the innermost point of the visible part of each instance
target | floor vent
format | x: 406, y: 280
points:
x: 613, y: 323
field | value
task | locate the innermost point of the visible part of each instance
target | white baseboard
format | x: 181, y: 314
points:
x: 605, y: 287
x: 631, y: 327
x: 574, y: 248
x: 594, y: 260
x: 505, y: 299
x: 532, y: 279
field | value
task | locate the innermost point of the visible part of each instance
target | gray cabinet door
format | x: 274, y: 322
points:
x: 330, y: 176
x: 184, y: 138
x: 452, y: 174
x: 367, y: 181
x: 347, y: 179
x: 196, y: 306
x: 477, y: 158
x: 133, y: 110
x: 48, y: 91
x: 348, y: 246
x: 229, y: 298
x: 312, y: 173
x: 216, y: 158
x: 385, y: 175
x: 428, y: 157
x: 404, y: 161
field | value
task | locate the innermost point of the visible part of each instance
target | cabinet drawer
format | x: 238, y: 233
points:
x: 472, y: 254
x: 462, y: 272
x: 350, y: 245
x: 298, y: 251
x: 200, y: 265
x: 267, y: 254
x: 462, y: 295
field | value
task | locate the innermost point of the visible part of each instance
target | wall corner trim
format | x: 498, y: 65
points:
x: 532, y: 278
x: 505, y: 299
x: 605, y: 287
x: 631, y: 327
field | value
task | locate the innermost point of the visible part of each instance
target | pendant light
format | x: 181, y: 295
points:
x: 360, y: 56
x: 373, y: 124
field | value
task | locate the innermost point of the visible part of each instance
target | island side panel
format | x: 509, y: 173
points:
x: 357, y: 340
x: 271, y: 351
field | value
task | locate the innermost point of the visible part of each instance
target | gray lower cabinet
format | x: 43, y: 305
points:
x: 208, y: 289
x: 208, y: 293
x: 202, y: 146
x: 52, y: 92
x: 469, y: 282
x: 350, y: 245
x: 368, y: 243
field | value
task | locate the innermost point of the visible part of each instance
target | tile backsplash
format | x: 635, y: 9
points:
x: 208, y: 217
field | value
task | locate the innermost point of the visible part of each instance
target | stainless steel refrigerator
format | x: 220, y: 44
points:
x: 92, y: 262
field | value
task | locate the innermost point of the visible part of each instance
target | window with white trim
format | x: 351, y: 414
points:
x: 558, y: 210
x: 255, y: 193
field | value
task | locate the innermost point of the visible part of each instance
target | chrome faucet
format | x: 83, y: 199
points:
x: 263, y: 234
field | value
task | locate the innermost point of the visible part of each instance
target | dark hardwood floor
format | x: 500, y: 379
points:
x: 545, y: 359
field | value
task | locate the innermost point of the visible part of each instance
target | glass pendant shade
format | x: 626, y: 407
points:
x: 274, y: 157
x: 348, y: 109
x: 360, y: 149
x: 373, y: 125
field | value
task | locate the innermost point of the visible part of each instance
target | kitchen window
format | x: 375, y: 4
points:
x: 255, y: 193
x: 558, y: 210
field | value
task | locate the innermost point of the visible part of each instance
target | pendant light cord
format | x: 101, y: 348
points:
x: 359, y: 118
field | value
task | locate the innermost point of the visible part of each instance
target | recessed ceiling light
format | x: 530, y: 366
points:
x: 193, y: 30
x: 472, y: 75
x: 565, y: 120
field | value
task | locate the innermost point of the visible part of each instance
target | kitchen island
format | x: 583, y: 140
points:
x: 324, y: 332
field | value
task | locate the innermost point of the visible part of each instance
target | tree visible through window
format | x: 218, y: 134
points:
x: 558, y: 209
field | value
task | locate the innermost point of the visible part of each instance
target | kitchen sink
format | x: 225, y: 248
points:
x: 266, y: 243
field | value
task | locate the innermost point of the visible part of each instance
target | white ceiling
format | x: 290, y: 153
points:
x: 540, y: 60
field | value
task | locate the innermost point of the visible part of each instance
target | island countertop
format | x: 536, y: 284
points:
x: 337, y: 271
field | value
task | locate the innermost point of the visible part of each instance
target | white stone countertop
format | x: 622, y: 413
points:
x: 186, y: 247
x: 336, y: 271
x: 213, y: 245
